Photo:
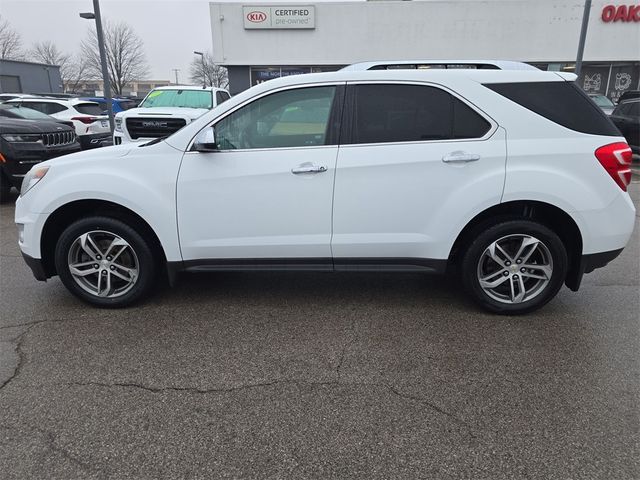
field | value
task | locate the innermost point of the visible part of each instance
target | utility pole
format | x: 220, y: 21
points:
x: 583, y: 36
x: 103, y: 57
x: 176, y: 70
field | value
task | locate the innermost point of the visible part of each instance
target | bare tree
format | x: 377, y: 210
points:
x: 75, y: 73
x: 47, y: 52
x: 204, y: 71
x: 73, y: 68
x: 126, y: 60
x: 10, y: 41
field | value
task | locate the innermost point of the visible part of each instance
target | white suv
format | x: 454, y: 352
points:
x: 90, y: 122
x: 164, y: 111
x: 515, y: 180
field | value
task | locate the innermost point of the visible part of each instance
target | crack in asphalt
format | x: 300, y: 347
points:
x: 21, y: 356
x: 54, y: 447
x: 193, y: 389
x: 349, y: 343
x: 392, y: 389
x: 28, y: 324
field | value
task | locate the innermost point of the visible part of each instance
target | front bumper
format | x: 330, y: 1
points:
x: 35, y: 264
x: 21, y: 156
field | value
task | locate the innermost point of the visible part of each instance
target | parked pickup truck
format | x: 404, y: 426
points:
x: 165, y: 110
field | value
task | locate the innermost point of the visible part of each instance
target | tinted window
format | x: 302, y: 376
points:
x: 39, y: 106
x: 561, y: 102
x: 126, y: 105
x: 90, y: 108
x: 409, y: 113
x: 293, y: 118
x: 466, y: 122
x: 632, y: 109
x: 221, y: 97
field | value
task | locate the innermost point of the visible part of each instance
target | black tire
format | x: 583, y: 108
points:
x: 5, y: 188
x: 142, y: 258
x: 509, y: 231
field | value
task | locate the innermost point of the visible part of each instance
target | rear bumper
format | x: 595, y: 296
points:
x: 35, y: 264
x: 94, y: 140
x: 589, y: 263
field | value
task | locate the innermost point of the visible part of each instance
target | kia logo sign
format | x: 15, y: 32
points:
x: 621, y: 13
x: 256, y: 17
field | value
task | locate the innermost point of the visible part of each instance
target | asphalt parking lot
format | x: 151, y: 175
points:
x: 289, y: 375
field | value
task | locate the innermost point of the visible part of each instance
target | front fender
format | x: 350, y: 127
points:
x: 144, y: 182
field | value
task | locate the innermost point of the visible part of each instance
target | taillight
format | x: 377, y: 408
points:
x: 85, y: 120
x: 616, y: 160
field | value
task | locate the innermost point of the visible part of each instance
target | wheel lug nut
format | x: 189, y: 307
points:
x: 109, y: 258
x: 112, y: 267
x: 95, y: 265
x: 99, y: 257
x: 104, y: 272
x: 505, y: 273
x: 507, y: 263
x: 515, y: 276
x: 518, y: 261
x: 523, y: 270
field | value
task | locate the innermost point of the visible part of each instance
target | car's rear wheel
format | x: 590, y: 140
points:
x: 514, y: 267
x: 105, y: 262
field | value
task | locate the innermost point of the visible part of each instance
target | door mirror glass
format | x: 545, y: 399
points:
x: 205, y: 141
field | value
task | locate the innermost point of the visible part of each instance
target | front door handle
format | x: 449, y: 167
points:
x: 460, y: 157
x: 308, y: 168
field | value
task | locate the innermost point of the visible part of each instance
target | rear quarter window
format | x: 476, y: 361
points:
x: 561, y: 102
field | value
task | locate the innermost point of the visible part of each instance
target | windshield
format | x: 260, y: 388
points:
x: 602, y: 101
x: 179, y: 98
x: 24, y: 112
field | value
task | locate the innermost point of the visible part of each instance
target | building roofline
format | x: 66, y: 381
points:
x: 29, y: 63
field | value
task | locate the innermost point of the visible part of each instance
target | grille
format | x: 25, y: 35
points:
x: 58, y: 138
x: 149, y: 127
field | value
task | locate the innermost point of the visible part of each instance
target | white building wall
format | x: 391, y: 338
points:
x: 527, y: 30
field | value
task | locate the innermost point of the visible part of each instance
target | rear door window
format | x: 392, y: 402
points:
x: 384, y: 113
x: 562, y: 102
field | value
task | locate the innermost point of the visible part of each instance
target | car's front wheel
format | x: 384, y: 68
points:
x: 105, y: 262
x: 514, y: 267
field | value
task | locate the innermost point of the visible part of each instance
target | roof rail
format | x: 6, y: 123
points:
x: 439, y: 64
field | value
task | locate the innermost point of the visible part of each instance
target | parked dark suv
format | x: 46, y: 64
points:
x: 24, y: 143
x: 626, y: 116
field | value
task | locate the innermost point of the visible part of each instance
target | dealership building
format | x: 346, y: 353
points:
x: 257, y: 42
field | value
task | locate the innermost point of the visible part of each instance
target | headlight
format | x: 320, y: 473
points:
x: 32, y: 178
x: 118, y: 125
x: 21, y: 137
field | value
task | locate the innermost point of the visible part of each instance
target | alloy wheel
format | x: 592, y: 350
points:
x: 515, y: 268
x: 103, y: 264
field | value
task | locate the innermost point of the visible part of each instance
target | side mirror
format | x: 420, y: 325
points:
x: 205, y: 141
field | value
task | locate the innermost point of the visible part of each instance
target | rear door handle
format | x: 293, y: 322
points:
x: 460, y: 157
x: 308, y: 169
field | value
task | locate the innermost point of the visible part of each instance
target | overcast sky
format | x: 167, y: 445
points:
x: 171, y: 29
